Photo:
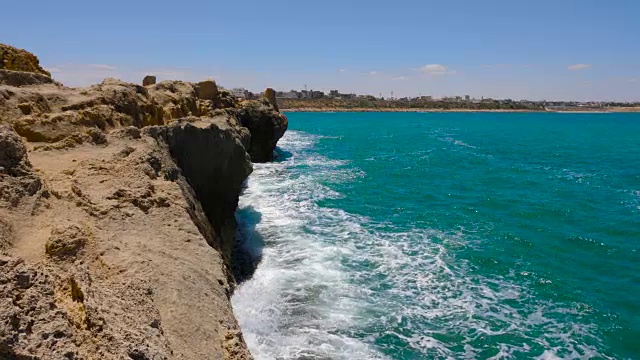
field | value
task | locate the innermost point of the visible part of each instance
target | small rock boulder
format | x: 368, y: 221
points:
x: 17, y: 178
x: 149, y: 80
x: 207, y: 90
x: 66, y: 242
x: 13, y: 153
x: 266, y: 126
x: 129, y: 132
x: 97, y: 136
x: 26, y: 108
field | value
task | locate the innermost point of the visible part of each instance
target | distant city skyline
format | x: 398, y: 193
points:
x: 570, y: 50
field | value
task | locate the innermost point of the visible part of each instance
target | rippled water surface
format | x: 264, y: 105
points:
x: 419, y: 236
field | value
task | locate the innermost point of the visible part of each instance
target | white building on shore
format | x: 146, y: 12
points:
x: 239, y: 92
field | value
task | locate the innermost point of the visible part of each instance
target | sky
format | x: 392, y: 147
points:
x: 537, y: 50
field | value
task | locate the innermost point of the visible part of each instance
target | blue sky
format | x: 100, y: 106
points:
x: 561, y: 49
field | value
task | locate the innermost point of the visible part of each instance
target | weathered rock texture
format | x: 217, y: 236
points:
x: 12, y: 58
x: 266, y: 126
x: 117, y: 219
x: 50, y: 113
x: 208, y: 90
x: 21, y: 78
x: 17, y: 178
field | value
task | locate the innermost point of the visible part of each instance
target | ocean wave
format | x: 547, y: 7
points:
x: 337, y: 285
x: 447, y: 135
x: 457, y: 142
x: 578, y: 177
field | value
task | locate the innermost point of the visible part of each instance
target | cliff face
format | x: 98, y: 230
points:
x: 117, y: 219
x: 266, y: 126
x: 211, y: 154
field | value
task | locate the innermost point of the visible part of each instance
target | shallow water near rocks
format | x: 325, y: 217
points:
x: 445, y: 235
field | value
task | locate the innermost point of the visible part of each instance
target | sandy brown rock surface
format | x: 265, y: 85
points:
x: 104, y: 258
x: 12, y: 58
x: 117, y: 226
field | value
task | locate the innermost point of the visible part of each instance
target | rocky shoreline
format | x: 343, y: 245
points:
x: 117, y: 214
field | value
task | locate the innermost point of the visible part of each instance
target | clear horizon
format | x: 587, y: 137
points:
x: 574, y: 50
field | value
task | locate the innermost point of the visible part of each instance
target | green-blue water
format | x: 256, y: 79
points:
x: 446, y: 235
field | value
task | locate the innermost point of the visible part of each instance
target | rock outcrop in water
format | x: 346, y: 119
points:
x: 12, y: 58
x: 266, y: 126
x: 117, y: 218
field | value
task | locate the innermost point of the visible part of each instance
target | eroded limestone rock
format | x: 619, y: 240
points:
x: 13, y: 153
x: 17, y: 178
x: 65, y: 242
x: 207, y: 90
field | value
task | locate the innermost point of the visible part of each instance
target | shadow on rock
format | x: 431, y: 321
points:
x: 250, y: 243
x: 8, y: 354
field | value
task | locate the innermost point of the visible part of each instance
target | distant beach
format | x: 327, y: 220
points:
x: 611, y: 110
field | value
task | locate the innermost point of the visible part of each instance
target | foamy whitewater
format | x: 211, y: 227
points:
x: 351, y: 269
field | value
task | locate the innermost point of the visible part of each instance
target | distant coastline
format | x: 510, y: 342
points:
x: 357, y: 103
x: 400, y: 110
x: 416, y: 110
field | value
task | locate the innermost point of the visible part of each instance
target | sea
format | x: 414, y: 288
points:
x: 445, y: 236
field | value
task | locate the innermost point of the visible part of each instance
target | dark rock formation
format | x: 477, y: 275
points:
x: 208, y: 90
x: 12, y: 58
x: 66, y: 242
x: 211, y: 154
x: 21, y: 78
x: 52, y: 114
x: 13, y: 153
x: 149, y: 80
x: 266, y: 126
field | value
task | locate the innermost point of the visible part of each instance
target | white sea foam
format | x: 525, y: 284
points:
x: 578, y: 177
x: 446, y: 135
x: 635, y: 202
x: 299, y: 302
x: 457, y: 142
x: 334, y: 285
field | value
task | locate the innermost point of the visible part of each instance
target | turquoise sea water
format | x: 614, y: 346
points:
x: 445, y: 235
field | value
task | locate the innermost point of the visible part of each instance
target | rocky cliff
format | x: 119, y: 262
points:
x: 117, y: 222
x: 12, y: 58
